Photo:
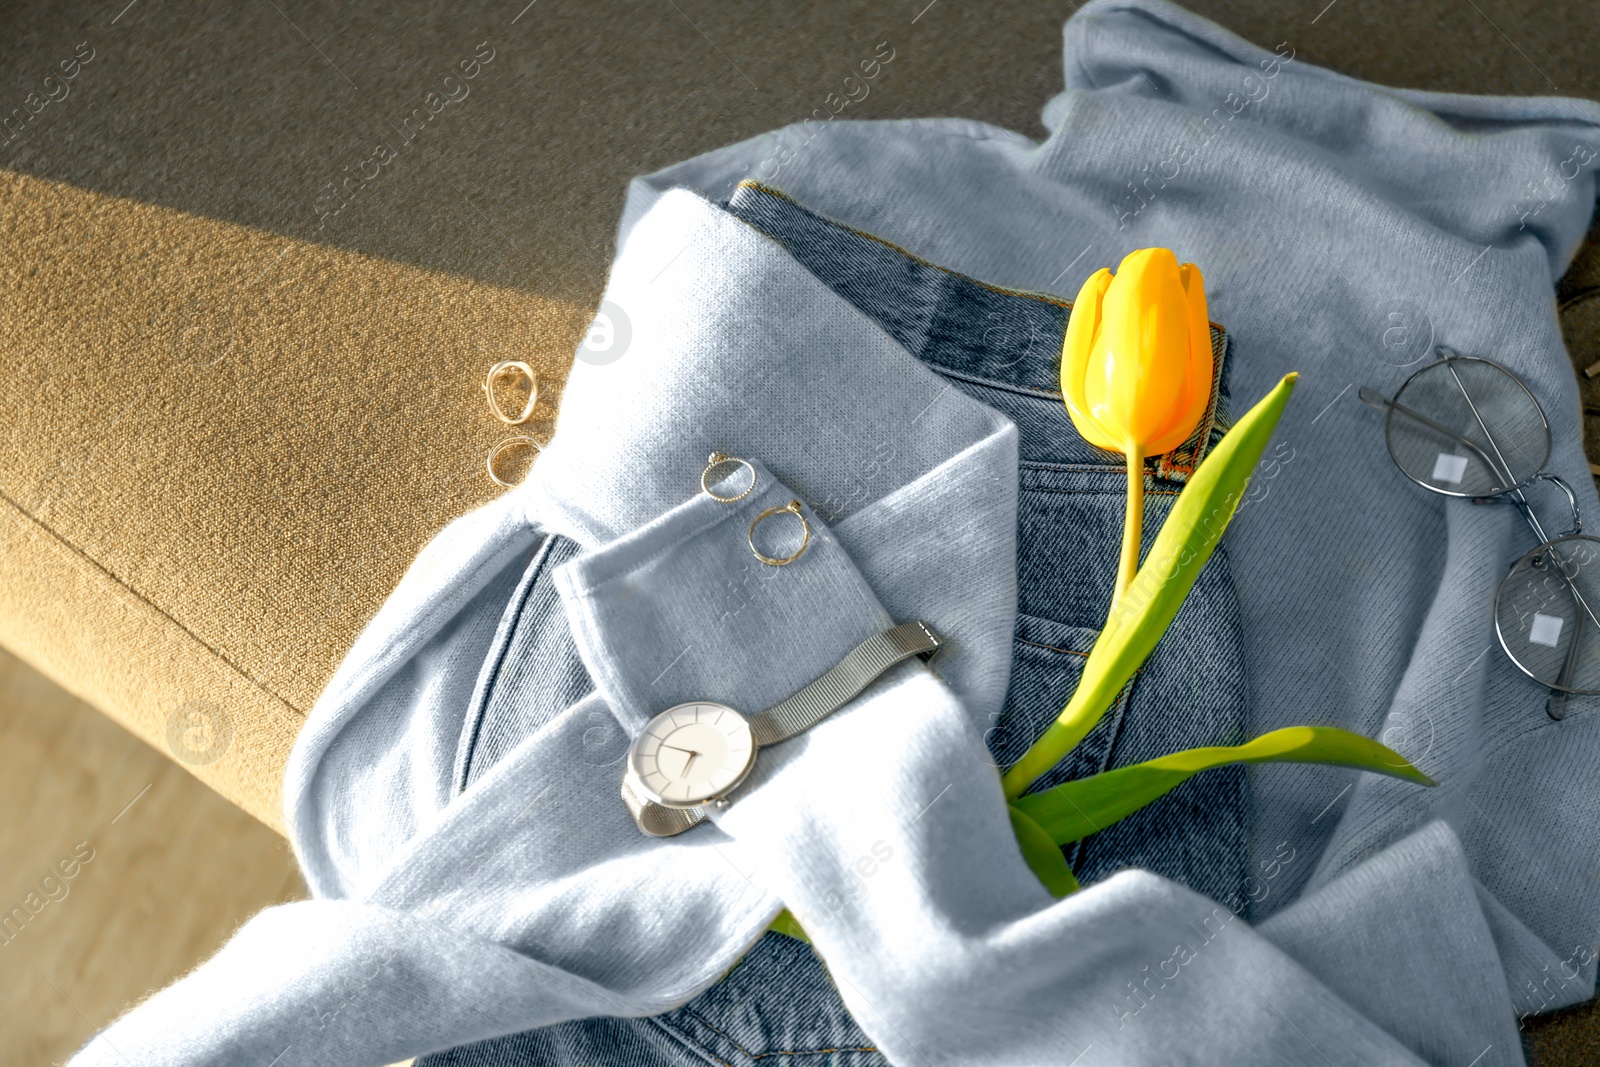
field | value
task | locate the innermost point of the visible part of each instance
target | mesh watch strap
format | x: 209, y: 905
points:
x: 658, y: 820
x: 843, y: 682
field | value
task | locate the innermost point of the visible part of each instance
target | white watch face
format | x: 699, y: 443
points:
x: 692, y: 753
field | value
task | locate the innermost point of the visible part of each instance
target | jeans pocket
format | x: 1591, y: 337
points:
x: 1047, y: 661
x: 1190, y: 692
x: 777, y: 1005
x: 532, y: 672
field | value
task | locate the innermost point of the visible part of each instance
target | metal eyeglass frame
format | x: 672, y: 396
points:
x: 1556, y: 706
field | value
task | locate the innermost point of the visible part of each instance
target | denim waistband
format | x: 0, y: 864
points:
x: 1000, y: 340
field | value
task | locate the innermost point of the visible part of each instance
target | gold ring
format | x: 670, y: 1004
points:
x: 494, y: 401
x: 719, y: 460
x: 792, y: 508
x: 494, y: 454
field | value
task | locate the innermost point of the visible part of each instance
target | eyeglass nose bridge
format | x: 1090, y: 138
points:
x: 1572, y: 501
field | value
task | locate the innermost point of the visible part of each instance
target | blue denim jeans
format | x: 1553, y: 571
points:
x: 1002, y: 347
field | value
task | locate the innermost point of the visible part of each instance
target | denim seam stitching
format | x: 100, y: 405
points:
x: 1202, y: 443
x: 1072, y: 468
x: 1043, y: 298
x: 1096, y: 492
x: 1051, y: 648
x: 1120, y: 707
x: 682, y: 1037
x: 989, y: 383
x: 1027, y: 294
x: 536, y: 564
x: 746, y: 1052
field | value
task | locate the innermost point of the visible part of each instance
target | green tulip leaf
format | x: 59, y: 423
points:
x: 1043, y: 855
x: 1140, y: 616
x: 789, y: 926
x: 1074, y: 810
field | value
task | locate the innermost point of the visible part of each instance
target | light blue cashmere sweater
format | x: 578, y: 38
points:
x: 1402, y: 925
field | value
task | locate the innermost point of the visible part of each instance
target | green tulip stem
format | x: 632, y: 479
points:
x: 1139, y: 617
x: 1133, y: 524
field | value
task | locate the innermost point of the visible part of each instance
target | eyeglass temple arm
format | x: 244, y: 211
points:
x: 1374, y: 399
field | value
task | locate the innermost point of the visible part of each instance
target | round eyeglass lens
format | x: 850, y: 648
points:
x: 1547, y: 614
x: 1467, y: 427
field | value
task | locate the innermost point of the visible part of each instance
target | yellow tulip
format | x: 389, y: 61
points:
x: 1136, y: 369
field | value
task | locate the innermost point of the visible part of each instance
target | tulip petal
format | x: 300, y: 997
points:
x: 1083, y: 331
x: 1113, y: 371
x: 1163, y: 350
x: 1136, y: 373
x: 1195, y: 393
x: 1136, y: 365
x: 1200, y: 357
x: 1194, y: 290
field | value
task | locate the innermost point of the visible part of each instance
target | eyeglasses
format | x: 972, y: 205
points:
x: 1465, y: 426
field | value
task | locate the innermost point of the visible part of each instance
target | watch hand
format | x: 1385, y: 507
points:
x: 686, y: 751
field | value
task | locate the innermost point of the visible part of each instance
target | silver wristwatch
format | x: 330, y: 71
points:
x: 693, y: 755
